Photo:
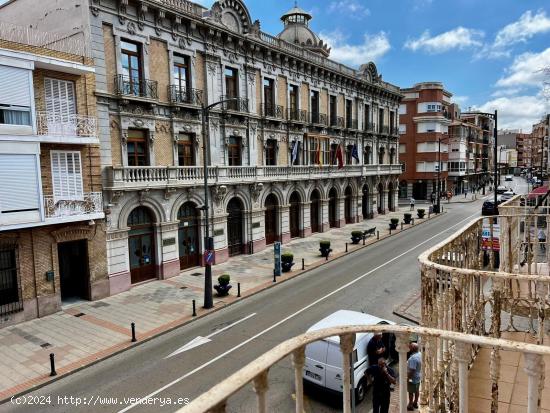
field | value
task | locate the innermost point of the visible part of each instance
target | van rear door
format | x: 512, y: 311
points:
x: 334, y: 374
x: 315, y: 363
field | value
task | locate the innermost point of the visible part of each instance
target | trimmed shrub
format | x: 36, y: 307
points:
x: 224, y: 279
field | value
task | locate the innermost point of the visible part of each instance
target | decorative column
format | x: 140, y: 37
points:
x: 260, y: 385
x: 298, y: 360
x: 534, y: 366
x: 463, y: 355
x: 402, y: 346
x: 346, y: 347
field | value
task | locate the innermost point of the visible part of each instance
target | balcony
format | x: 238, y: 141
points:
x: 369, y: 127
x: 484, y: 333
x: 273, y: 111
x: 70, y: 210
x: 185, y: 96
x: 297, y: 115
x: 236, y: 104
x: 137, y: 88
x: 352, y: 124
x: 384, y: 130
x: 138, y: 177
x: 316, y: 118
x: 337, y: 122
x: 73, y: 129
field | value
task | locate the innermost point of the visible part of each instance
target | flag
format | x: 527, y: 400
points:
x: 355, y: 152
x: 295, y: 152
x: 340, y: 157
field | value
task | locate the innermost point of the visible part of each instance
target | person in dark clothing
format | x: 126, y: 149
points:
x: 383, y: 377
x: 375, y: 349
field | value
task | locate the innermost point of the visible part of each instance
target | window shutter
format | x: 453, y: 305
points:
x: 18, y: 183
x: 15, y: 86
x: 66, y: 175
x: 60, y: 97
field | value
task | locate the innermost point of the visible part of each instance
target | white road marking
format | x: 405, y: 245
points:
x: 284, y: 320
x: 199, y: 341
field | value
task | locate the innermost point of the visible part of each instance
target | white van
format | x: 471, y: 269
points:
x: 323, y: 364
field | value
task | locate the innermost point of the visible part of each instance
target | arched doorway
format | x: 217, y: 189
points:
x: 141, y: 245
x: 348, y: 205
x: 380, y: 198
x: 391, y: 203
x: 366, y: 206
x: 332, y: 200
x: 271, y: 227
x: 235, y: 227
x: 314, y: 209
x: 294, y: 219
x: 188, y: 235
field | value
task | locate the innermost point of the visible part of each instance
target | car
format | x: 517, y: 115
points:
x: 489, y: 208
x: 506, y: 196
x: 501, y: 189
x: 508, y: 178
x: 323, y: 363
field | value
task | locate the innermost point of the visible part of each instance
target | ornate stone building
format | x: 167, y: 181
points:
x: 304, y: 144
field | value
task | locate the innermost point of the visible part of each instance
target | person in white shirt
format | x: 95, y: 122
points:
x: 412, y: 203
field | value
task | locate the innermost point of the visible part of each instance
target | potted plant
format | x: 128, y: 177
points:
x: 356, y: 236
x: 407, y: 218
x: 287, y: 261
x: 393, y: 223
x: 420, y: 213
x: 324, y: 248
x: 223, y: 286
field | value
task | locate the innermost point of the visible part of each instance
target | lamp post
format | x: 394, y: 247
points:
x: 438, y: 205
x: 208, y: 240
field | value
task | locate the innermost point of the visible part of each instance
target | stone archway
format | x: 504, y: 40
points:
x: 235, y: 222
x: 333, y: 208
x: 381, y: 204
x: 188, y: 235
x: 271, y: 219
x: 294, y: 215
x: 315, y: 210
x: 348, y: 205
x: 141, y: 244
x: 366, y: 205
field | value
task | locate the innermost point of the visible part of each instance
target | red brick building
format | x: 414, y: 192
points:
x: 424, y: 119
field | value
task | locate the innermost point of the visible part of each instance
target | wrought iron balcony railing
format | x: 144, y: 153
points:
x: 297, y: 115
x: 384, y: 130
x: 445, y: 380
x: 128, y: 86
x: 90, y: 203
x: 236, y: 104
x: 394, y: 131
x: 368, y: 127
x: 317, y: 118
x: 66, y: 125
x: 185, y: 95
x: 352, y: 124
x: 273, y: 111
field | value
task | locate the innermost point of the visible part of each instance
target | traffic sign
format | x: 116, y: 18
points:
x: 209, y: 257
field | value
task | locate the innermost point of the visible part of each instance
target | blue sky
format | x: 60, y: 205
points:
x: 488, y: 53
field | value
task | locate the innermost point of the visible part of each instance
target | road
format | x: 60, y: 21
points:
x: 373, y: 280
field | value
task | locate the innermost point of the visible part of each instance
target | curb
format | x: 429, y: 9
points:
x: 262, y: 287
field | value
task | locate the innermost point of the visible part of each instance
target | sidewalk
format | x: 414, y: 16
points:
x: 84, y: 333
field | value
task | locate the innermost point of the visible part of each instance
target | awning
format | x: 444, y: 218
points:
x: 541, y: 190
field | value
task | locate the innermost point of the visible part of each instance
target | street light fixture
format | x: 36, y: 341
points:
x: 208, y: 241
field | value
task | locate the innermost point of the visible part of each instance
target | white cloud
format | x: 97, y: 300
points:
x: 507, y: 92
x: 373, y: 47
x: 525, y: 28
x: 459, y: 38
x: 460, y: 100
x: 351, y: 8
x: 526, y: 70
x: 519, y: 112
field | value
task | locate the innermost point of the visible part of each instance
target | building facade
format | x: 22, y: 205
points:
x: 539, y: 147
x: 302, y: 145
x: 424, y: 120
x: 52, y: 233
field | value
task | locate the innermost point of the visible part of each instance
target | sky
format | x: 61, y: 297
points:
x: 490, y: 54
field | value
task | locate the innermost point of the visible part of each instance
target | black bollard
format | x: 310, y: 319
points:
x: 194, y: 308
x: 390, y: 231
x: 364, y: 238
x: 377, y: 234
x: 401, y: 226
x: 346, y: 247
x: 274, y: 277
x: 133, y: 332
x: 52, y: 365
x: 326, y: 258
x: 238, y: 289
x: 303, y: 264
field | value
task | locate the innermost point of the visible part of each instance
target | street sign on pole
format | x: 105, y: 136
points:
x: 277, y: 270
x: 209, y: 257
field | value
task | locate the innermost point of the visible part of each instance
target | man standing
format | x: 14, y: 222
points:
x: 375, y: 349
x: 383, y: 377
x: 414, y: 367
x: 412, y: 203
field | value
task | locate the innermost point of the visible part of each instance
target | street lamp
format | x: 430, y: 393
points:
x: 438, y: 206
x: 208, y: 241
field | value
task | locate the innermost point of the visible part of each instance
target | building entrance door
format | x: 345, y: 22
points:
x: 73, y: 270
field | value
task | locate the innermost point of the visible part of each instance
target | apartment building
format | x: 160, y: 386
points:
x: 539, y: 147
x: 303, y: 144
x: 52, y: 233
x: 424, y: 120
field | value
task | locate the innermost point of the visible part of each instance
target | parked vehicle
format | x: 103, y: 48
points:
x: 509, y: 178
x: 489, y: 208
x: 501, y: 189
x: 323, y: 363
x: 506, y: 196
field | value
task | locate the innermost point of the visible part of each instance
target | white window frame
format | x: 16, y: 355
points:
x: 76, y: 181
x: 64, y: 107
